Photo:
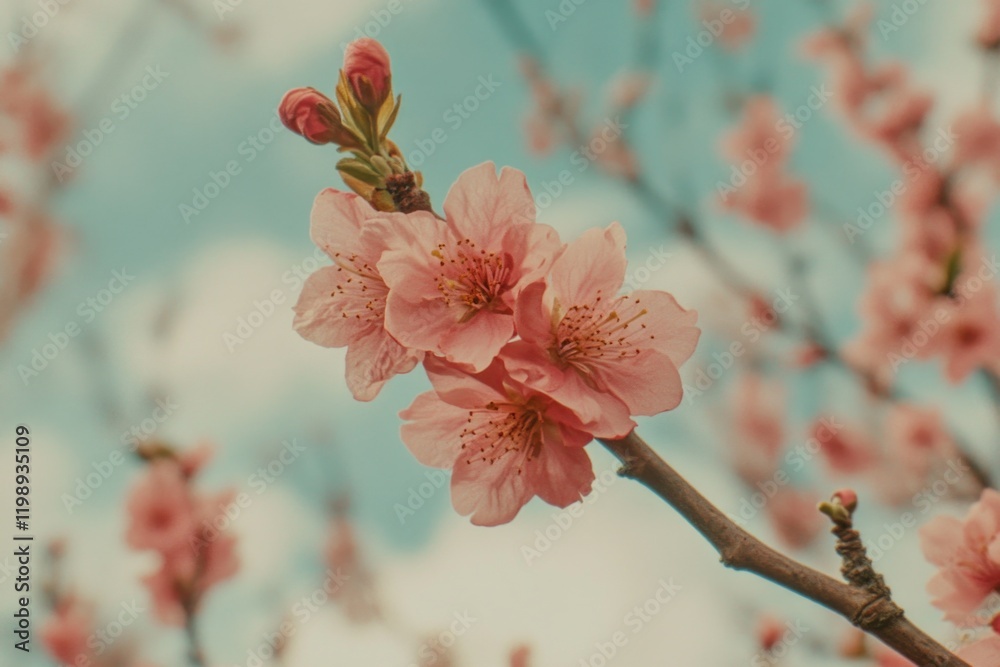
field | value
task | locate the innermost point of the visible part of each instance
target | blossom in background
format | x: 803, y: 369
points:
x: 977, y: 138
x: 970, y: 338
x: 66, y: 633
x: 520, y: 656
x: 793, y: 517
x: 916, y: 438
x: 734, y: 25
x: 769, y: 631
x: 169, y: 516
x: 988, y: 35
x: 845, y: 450
x: 161, y: 510
x: 982, y: 653
x: 967, y: 553
x: 759, y: 148
x: 898, y: 302
x: 453, y: 283
x: 554, y: 113
x: 759, y: 413
x: 344, y: 305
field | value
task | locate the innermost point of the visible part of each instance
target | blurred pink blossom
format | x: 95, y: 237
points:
x: 984, y: 652
x: 846, y: 450
x: 794, y: 517
x: 967, y: 553
x: 66, y: 633
x: 759, y: 415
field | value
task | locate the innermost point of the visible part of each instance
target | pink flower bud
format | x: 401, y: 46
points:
x: 848, y: 498
x: 770, y: 631
x: 312, y: 114
x: 366, y: 66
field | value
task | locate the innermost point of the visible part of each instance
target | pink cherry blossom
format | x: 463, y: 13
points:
x: 583, y: 344
x: 737, y: 24
x: 845, y: 450
x: 794, y: 517
x: 161, y: 511
x: 970, y: 338
x: 66, y: 633
x: 758, y: 133
x: 759, y: 417
x: 520, y: 656
x: 967, y: 553
x: 504, y: 442
x: 189, y: 570
x: 898, y: 298
x: 916, y: 437
x: 770, y: 629
x: 984, y: 652
x: 988, y: 36
x: 453, y: 283
x: 344, y: 305
x: 759, y: 148
x: 167, y: 515
x: 977, y: 136
x: 900, y: 114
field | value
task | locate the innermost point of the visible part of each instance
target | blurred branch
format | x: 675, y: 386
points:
x: 869, y: 610
x: 687, y: 224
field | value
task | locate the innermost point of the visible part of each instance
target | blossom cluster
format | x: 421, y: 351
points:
x: 169, y: 516
x: 761, y: 189
x: 530, y: 348
x: 936, y: 296
x: 32, y: 125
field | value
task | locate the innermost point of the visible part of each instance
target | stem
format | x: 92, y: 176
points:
x: 196, y: 656
x: 870, y: 611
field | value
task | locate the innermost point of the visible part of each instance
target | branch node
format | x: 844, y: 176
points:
x: 857, y: 567
x: 406, y: 194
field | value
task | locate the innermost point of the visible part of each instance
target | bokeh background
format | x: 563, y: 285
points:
x: 224, y: 66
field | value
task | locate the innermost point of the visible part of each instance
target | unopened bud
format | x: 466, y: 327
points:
x: 310, y: 113
x: 366, y: 67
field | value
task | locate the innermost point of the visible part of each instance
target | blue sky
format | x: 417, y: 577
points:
x: 124, y: 207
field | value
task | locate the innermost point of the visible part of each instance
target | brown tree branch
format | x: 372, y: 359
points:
x: 869, y: 610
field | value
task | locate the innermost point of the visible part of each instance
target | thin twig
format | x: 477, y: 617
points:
x: 870, y: 611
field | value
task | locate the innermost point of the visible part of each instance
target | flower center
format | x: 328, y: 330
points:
x: 360, y: 287
x: 969, y: 335
x: 588, y: 333
x: 499, y: 429
x: 471, y: 279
